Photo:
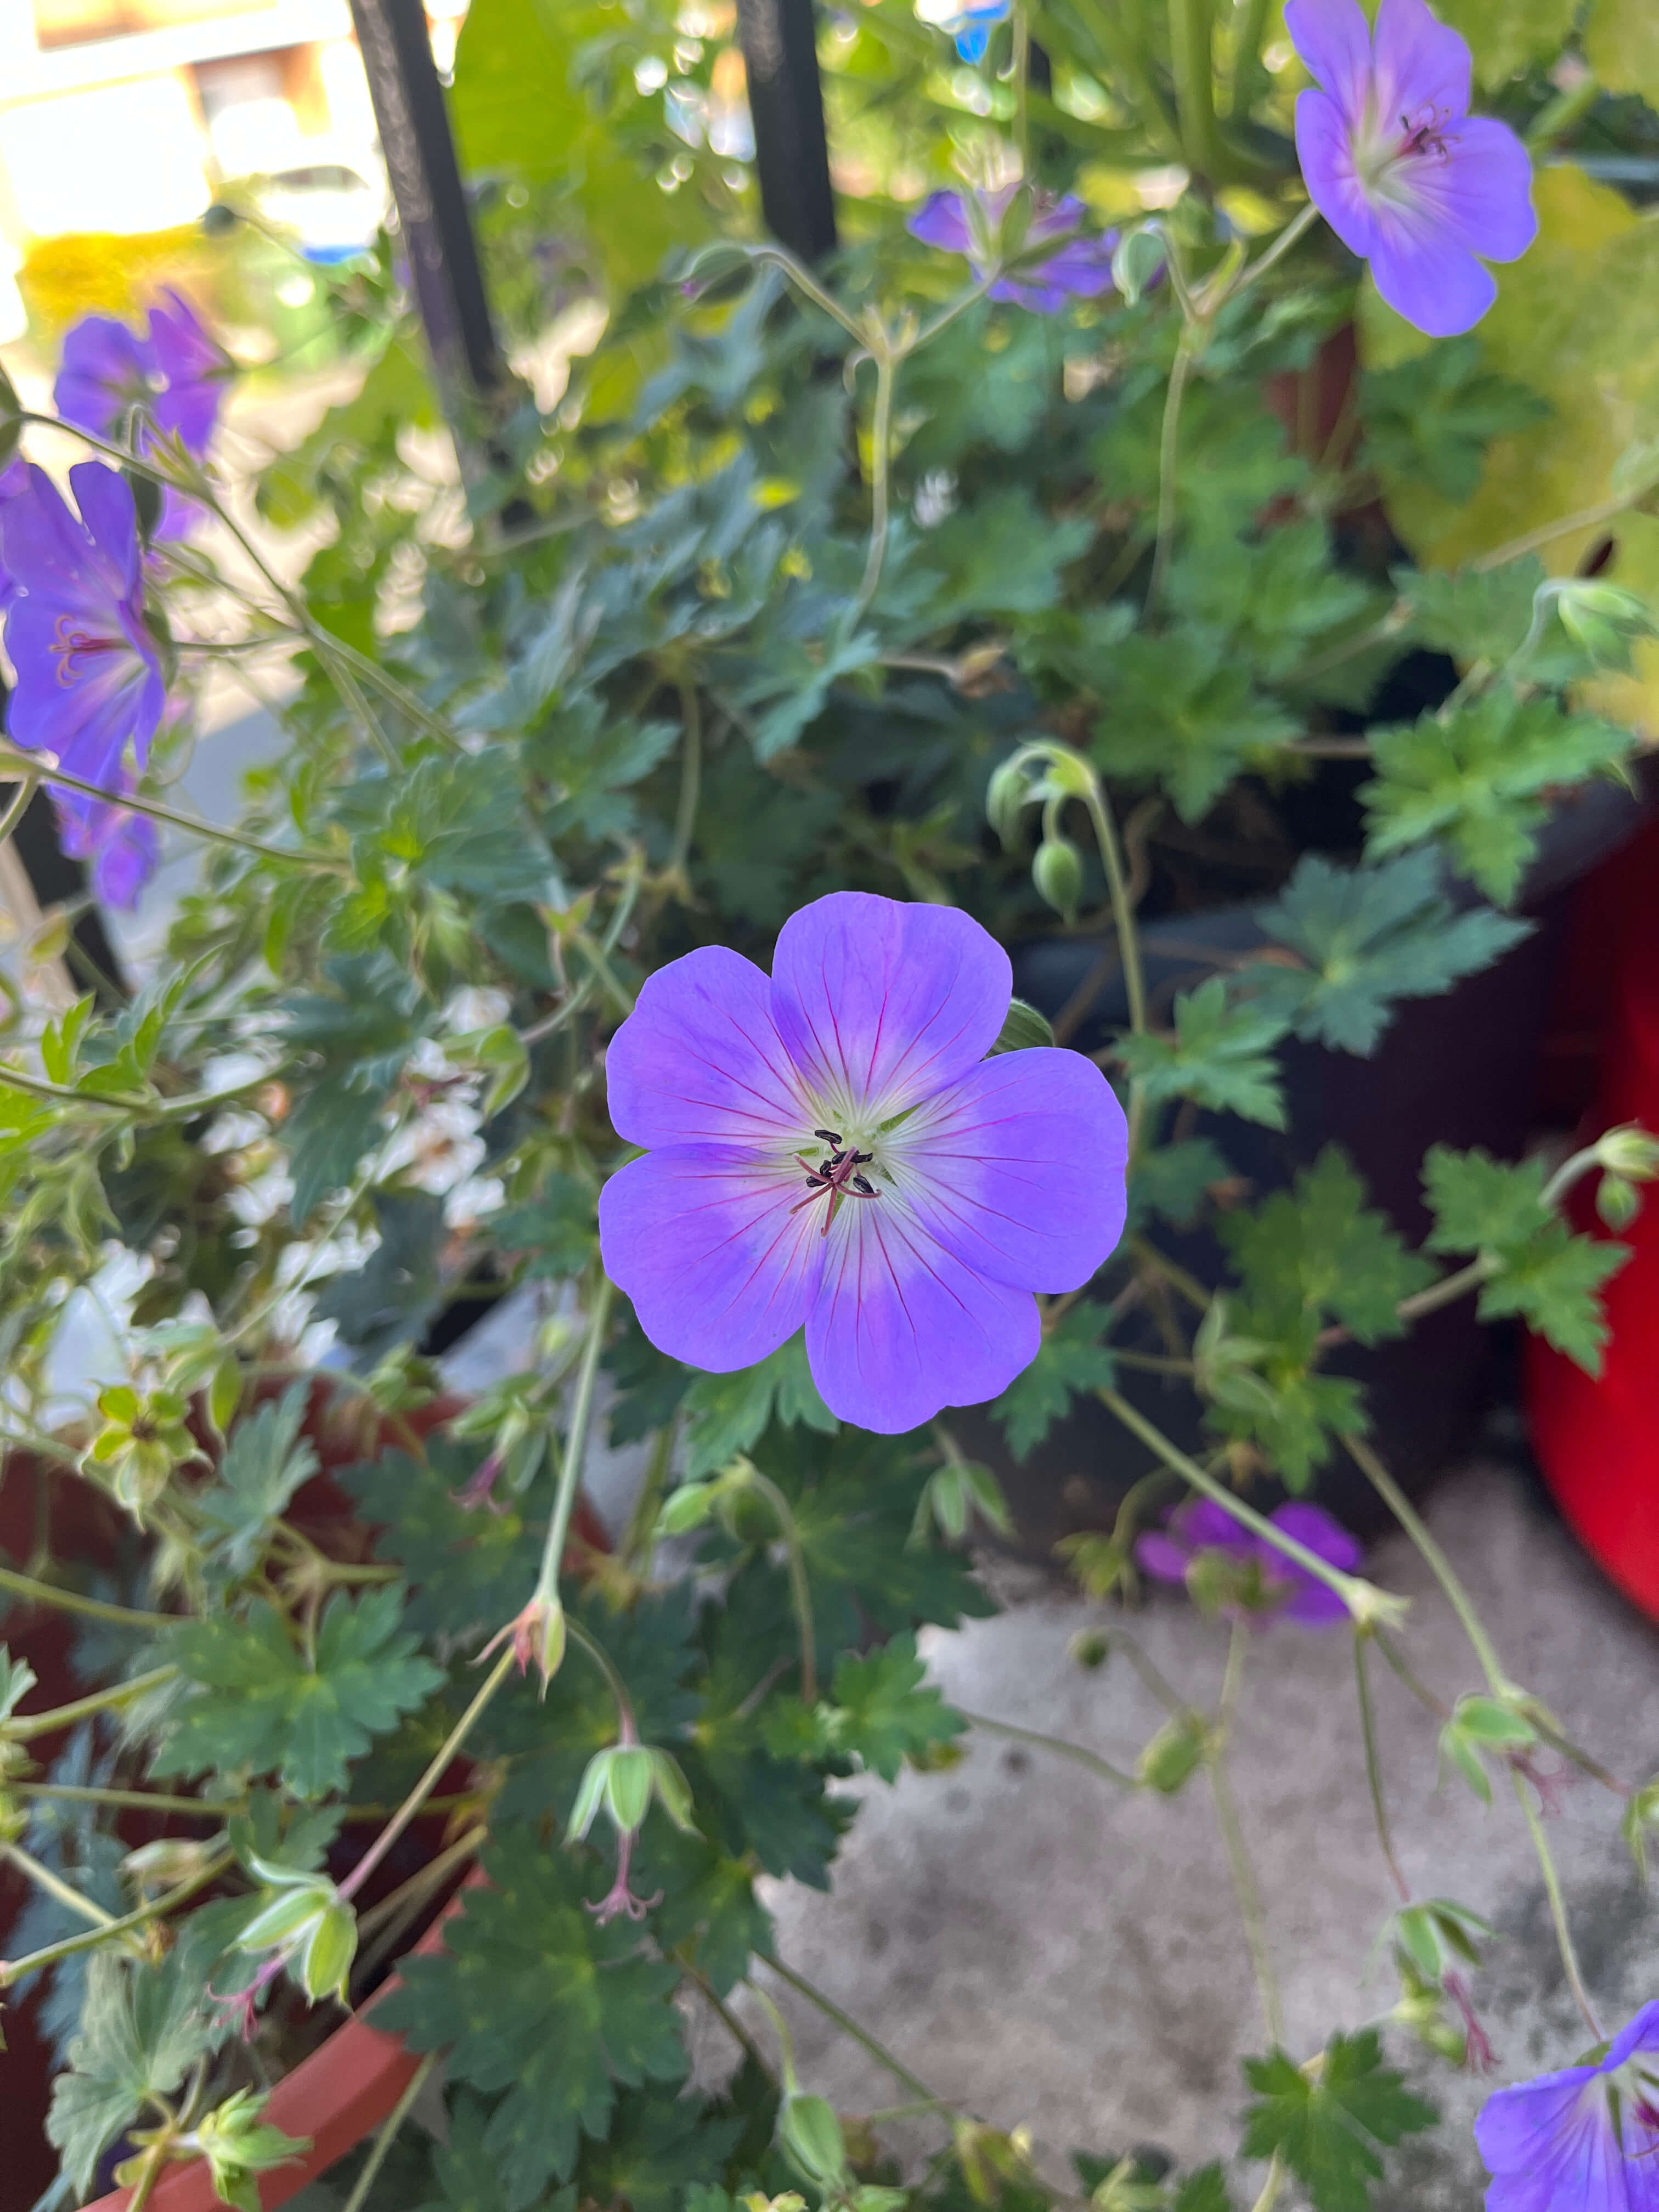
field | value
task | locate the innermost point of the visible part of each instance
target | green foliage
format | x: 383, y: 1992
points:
x: 1220, y: 1055
x: 1330, y: 2121
x: 1073, y: 1357
x: 1431, y: 417
x: 727, y: 1412
x: 1533, y: 1265
x: 1368, y: 936
x: 881, y: 1714
x: 141, y: 2032
x: 533, y: 1996
x: 264, y: 1464
x: 1477, y: 775
x: 262, y: 1704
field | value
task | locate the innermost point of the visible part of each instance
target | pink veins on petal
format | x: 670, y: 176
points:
x: 831, y: 1149
x: 1404, y: 174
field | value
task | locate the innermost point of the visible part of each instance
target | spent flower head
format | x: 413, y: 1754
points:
x: 973, y: 225
x: 1406, y: 178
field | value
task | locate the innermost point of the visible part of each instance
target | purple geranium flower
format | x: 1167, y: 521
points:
x: 193, y: 369
x: 107, y: 370
x: 88, y: 676
x: 833, y: 1147
x: 1081, y: 270
x: 1404, y: 174
x: 123, y: 847
x: 1289, y: 1591
x: 1583, y: 2140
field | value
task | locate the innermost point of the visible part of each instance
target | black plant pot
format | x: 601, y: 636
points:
x: 1462, y: 1069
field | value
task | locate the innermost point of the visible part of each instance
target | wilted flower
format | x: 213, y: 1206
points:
x: 1175, y: 1553
x: 833, y: 1148
x: 1081, y: 268
x: 970, y: 26
x: 1404, y: 174
x: 1583, y: 2140
x: 89, y: 673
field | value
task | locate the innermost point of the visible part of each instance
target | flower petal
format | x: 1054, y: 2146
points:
x: 1324, y: 147
x: 1427, y: 275
x: 1421, y: 65
x: 1482, y: 190
x: 1519, y: 2129
x: 1334, y: 41
x: 881, y: 1004
x: 900, y: 1328
x: 106, y: 502
x: 1160, y: 1557
x: 942, y: 221
x: 699, y: 1060
x: 706, y: 1243
x: 1018, y: 1169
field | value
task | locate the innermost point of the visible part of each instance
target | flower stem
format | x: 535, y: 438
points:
x: 832, y: 2011
x: 134, y: 1801
x: 1193, y: 66
x: 1558, y: 1910
x: 685, y: 815
x: 429, y: 1780
x: 881, y: 439
x: 1245, y: 1887
x: 1169, y: 447
x: 1270, y: 2187
x: 13, y: 1970
x: 17, y: 805
x: 94, y: 1609
x: 1362, y: 1598
x: 21, y: 763
x: 1438, y: 1565
x: 1373, y: 1768
x: 799, y: 1591
x: 22, y: 1728
x: 576, y: 1448
x: 54, y: 1885
x: 1057, y: 1744
x: 383, y: 2141
x: 1296, y: 229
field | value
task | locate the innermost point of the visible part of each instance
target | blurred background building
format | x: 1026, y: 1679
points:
x: 123, y: 121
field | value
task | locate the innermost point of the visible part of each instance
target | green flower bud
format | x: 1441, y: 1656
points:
x: 811, y: 2134
x: 325, y: 1955
x: 1617, y: 1201
x: 1057, y: 872
x: 623, y: 1778
x: 1631, y: 1151
x: 238, y: 2144
x: 1641, y: 1814
x: 685, y: 1509
x: 1136, y: 265
x: 1173, y: 1755
x: 1006, y: 796
x: 1023, y: 1027
x: 1602, y: 618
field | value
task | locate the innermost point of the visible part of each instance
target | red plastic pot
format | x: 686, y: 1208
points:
x: 1597, y: 1437
x: 345, y: 2090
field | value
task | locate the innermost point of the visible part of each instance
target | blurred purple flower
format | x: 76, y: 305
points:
x: 1167, y: 1555
x: 14, y: 478
x: 193, y: 368
x: 1404, y: 174
x: 833, y: 1148
x: 123, y: 847
x: 1583, y: 2140
x: 1081, y: 269
x: 88, y: 676
x: 107, y: 371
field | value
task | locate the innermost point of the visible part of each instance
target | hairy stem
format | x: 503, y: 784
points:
x: 429, y: 1780
x: 94, y: 1609
x: 685, y: 816
x: 13, y: 1970
x: 1168, y: 448
x: 1057, y: 1744
x: 1374, y: 1770
x: 575, y: 1447
x: 1438, y: 1565
x: 1558, y: 1909
x: 133, y: 1800
x: 13, y: 761
x: 881, y: 442
x: 799, y: 1591
x: 383, y: 2141
x: 22, y: 1728
x: 832, y: 2011
x: 1239, y: 1866
x: 54, y: 1885
x: 1192, y: 65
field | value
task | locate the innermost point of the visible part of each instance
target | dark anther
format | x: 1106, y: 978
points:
x: 829, y: 1136
x: 862, y: 1183
x: 859, y: 1158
